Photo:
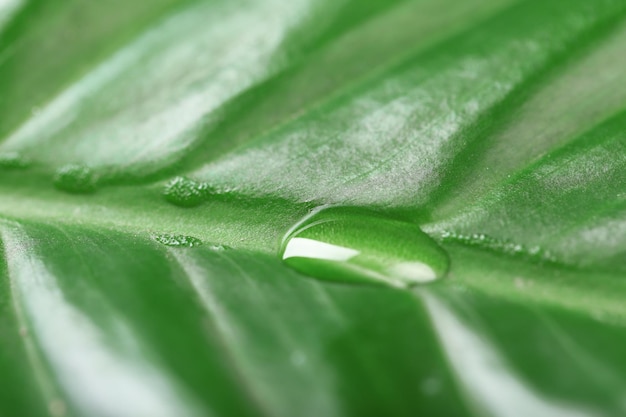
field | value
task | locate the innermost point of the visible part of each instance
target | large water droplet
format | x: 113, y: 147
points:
x: 178, y: 240
x: 13, y: 160
x: 184, y: 192
x: 77, y: 179
x: 350, y: 245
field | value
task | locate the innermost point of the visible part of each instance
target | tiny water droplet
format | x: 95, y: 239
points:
x: 13, y: 160
x: 206, y: 189
x: 218, y: 248
x: 351, y: 246
x: 77, y: 179
x: 179, y: 241
x: 185, y: 192
x: 534, y: 253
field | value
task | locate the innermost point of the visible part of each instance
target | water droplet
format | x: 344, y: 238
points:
x: 534, y: 253
x: 207, y: 189
x: 350, y: 245
x: 77, y: 179
x: 218, y: 248
x: 185, y: 192
x: 13, y: 160
x: 180, y: 241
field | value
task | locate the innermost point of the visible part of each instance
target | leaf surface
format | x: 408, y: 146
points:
x: 497, y: 126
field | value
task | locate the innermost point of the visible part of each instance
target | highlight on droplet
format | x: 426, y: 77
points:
x: 185, y: 192
x: 351, y: 245
x: 178, y: 240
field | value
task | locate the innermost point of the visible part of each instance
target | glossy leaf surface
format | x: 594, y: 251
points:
x: 155, y: 154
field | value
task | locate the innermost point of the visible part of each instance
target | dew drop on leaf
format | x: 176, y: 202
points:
x: 178, y: 240
x: 534, y: 253
x: 77, y: 179
x: 13, y: 160
x: 351, y: 246
x: 219, y: 248
x: 184, y: 192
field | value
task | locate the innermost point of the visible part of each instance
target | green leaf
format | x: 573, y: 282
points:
x: 154, y: 155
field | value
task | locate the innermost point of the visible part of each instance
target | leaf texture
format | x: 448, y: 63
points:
x: 497, y: 126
